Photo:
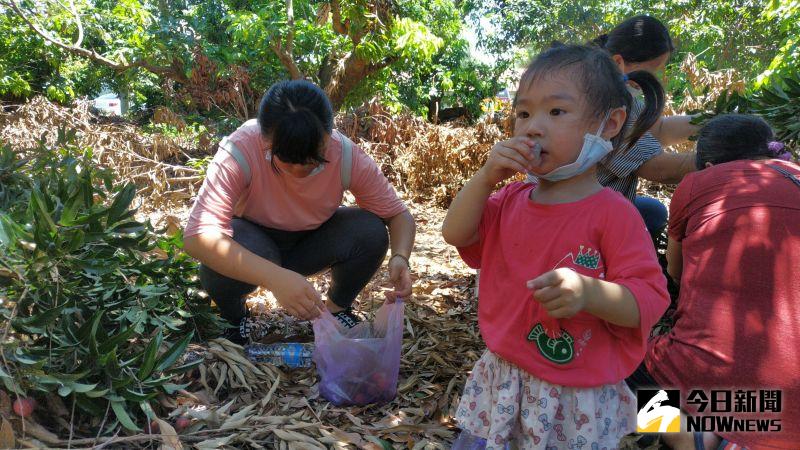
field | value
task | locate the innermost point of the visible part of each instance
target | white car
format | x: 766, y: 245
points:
x: 109, y: 104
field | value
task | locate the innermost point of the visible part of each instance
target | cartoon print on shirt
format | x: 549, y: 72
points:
x: 588, y: 259
x: 583, y: 341
x: 560, y: 348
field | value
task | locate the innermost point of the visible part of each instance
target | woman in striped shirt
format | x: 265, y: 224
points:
x: 643, y: 43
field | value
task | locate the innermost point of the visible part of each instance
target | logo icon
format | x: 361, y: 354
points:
x: 659, y: 411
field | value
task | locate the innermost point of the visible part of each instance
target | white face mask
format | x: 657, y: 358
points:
x: 594, y: 149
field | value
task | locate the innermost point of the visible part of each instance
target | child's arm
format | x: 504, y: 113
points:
x: 564, y: 293
x: 460, y: 227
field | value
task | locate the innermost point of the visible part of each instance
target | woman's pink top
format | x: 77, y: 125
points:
x: 279, y: 200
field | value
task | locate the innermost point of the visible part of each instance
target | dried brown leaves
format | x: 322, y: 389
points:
x: 150, y: 161
x: 706, y: 87
x: 429, y: 162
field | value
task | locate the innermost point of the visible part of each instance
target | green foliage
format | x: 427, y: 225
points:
x: 741, y: 34
x: 451, y: 75
x: 786, y: 17
x: 411, y: 40
x: 96, y: 315
x: 778, y: 103
x: 412, y: 53
x: 24, y: 64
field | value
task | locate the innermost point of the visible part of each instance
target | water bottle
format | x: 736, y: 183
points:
x: 286, y: 354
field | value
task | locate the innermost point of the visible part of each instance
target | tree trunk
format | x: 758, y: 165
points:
x: 355, y: 71
x: 434, y: 103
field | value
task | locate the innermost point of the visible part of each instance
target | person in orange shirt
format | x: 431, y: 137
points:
x: 269, y: 214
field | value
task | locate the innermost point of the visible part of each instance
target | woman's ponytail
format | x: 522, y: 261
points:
x: 653, y: 105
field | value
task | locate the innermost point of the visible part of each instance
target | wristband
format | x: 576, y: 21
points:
x: 401, y: 256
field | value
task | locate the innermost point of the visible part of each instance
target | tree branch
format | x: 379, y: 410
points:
x: 290, y: 24
x: 386, y: 62
x: 171, y: 71
x: 284, y: 53
x: 336, y: 12
x: 78, y: 21
x: 287, y: 60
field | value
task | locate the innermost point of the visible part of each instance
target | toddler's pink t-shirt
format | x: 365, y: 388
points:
x: 601, y: 236
x: 281, y: 201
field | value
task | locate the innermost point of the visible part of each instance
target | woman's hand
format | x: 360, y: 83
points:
x: 400, y: 276
x: 560, y: 292
x: 296, y: 295
x: 509, y: 157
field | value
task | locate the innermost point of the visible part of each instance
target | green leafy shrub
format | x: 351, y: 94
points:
x: 778, y: 103
x: 100, y: 306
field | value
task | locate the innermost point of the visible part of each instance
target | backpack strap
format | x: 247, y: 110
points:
x: 228, y: 146
x: 347, y: 160
x: 786, y: 174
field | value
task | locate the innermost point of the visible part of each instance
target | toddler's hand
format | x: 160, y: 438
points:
x: 560, y: 291
x: 509, y: 157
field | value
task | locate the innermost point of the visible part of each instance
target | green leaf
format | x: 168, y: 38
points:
x: 37, y: 323
x: 147, y: 409
x: 170, y: 356
x: 122, y: 416
x: 112, y: 342
x: 91, y: 406
x: 37, y: 204
x: 186, y: 367
x: 96, y: 394
x: 10, y: 383
x: 10, y: 232
x: 90, y: 328
x: 134, y: 396
x: 71, y: 208
x: 82, y: 388
x: 150, y: 356
x: 171, y: 388
x: 121, y: 203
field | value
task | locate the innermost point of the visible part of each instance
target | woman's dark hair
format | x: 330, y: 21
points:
x: 602, y: 84
x: 637, y: 39
x: 733, y: 136
x: 296, y: 115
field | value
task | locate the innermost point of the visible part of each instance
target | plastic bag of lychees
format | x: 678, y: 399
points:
x: 360, y: 365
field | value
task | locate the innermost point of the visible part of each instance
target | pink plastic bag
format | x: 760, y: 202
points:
x: 360, y: 365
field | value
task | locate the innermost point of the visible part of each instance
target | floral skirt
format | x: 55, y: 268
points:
x: 504, y: 404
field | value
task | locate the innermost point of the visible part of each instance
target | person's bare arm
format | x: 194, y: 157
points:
x: 667, y: 167
x: 227, y: 257
x: 674, y: 259
x: 402, y: 230
x: 463, y: 218
x: 671, y: 130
